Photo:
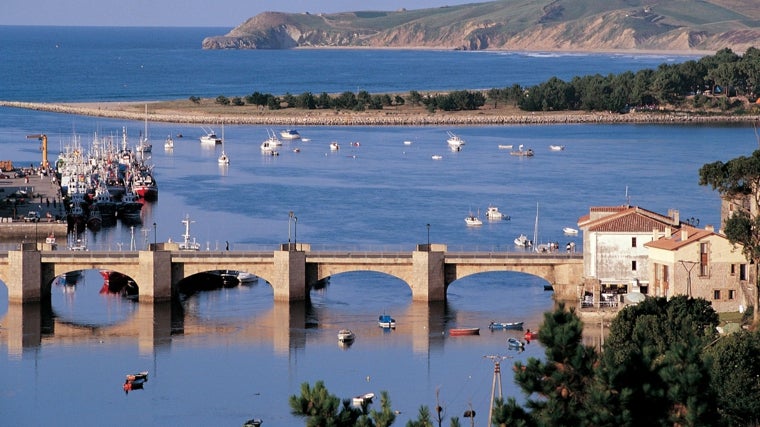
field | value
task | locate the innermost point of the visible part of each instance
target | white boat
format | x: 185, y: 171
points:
x: 169, y: 143
x: 334, y: 146
x: 455, y: 142
x: 556, y: 147
x: 210, y: 137
x: 224, y: 159
x: 246, y: 277
x: 346, y: 335
x: 493, y: 214
x: 358, y: 401
x: 505, y: 146
x: 386, y: 321
x: 472, y: 220
x: 144, y: 146
x: 290, y: 134
x: 187, y: 244
x: 437, y: 157
x: 407, y: 142
x: 523, y: 241
x: 570, y: 231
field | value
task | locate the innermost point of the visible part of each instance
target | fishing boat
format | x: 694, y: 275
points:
x: 169, y: 143
x: 522, y: 152
x: 472, y: 220
x: 346, y: 336
x: 187, y: 244
x: 386, y: 321
x: 493, y: 214
x: 455, y: 141
x: 523, y: 241
x: 458, y: 332
x: 505, y: 325
x: 210, y: 137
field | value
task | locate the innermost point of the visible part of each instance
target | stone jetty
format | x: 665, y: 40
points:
x: 30, y: 191
x: 121, y: 110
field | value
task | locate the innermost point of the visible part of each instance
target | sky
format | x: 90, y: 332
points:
x: 182, y: 13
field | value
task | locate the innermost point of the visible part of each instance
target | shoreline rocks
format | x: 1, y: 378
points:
x: 379, y: 117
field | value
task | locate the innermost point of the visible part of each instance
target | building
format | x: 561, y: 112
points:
x: 700, y: 263
x: 615, y: 258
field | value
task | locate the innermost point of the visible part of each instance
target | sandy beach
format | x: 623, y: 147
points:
x: 208, y: 112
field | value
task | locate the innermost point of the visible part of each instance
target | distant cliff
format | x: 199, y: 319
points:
x: 581, y: 25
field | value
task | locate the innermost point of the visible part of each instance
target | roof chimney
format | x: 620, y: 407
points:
x: 655, y: 233
x: 684, y: 234
x: 668, y: 232
x: 676, y: 216
x: 710, y: 228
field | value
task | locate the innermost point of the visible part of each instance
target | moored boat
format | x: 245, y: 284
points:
x: 505, y: 325
x: 570, y: 231
x: 472, y: 220
x: 493, y: 214
x: 522, y: 151
x: 290, y: 134
x: 457, y: 332
x: 556, y: 147
x: 346, y: 335
x: 210, y: 137
x: 386, y: 321
x: 358, y: 401
x: 334, y: 146
x: 187, y: 244
x: 523, y: 241
x: 455, y: 141
x: 515, y: 344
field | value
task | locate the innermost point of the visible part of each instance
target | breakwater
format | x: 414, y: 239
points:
x: 377, y: 117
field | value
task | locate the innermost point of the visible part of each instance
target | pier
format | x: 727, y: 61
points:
x: 291, y: 270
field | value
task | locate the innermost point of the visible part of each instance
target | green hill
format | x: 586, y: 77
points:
x: 581, y: 25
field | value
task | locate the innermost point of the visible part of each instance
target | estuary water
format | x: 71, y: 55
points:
x: 222, y: 357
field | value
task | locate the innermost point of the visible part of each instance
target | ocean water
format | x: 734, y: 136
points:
x: 225, y: 358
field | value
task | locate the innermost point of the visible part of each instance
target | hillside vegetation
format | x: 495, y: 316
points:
x: 580, y: 25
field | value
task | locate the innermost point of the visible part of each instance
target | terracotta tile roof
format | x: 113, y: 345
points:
x: 626, y: 219
x: 676, y: 241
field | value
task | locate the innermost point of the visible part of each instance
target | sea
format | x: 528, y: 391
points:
x: 225, y: 357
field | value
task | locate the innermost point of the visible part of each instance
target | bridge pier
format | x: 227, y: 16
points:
x: 155, y: 276
x: 24, y: 275
x: 289, y: 281
x: 428, y: 281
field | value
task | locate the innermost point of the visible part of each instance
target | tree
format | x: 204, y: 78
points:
x: 323, y: 409
x: 735, y: 370
x: 222, y: 100
x: 562, y: 382
x: 736, y: 180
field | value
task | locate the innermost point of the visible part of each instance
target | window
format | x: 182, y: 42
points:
x: 716, y: 294
x: 703, y: 260
x: 633, y: 243
x: 733, y: 269
x: 731, y: 294
x: 633, y: 264
x: 742, y: 271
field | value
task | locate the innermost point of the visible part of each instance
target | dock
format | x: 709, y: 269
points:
x: 27, y: 189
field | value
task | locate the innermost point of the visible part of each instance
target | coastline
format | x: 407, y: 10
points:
x: 184, y: 112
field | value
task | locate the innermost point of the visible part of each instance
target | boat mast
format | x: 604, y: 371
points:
x: 535, y: 230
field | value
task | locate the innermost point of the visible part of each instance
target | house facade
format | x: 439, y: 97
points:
x: 700, y: 263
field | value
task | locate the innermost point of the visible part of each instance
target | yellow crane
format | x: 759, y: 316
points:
x: 41, y: 137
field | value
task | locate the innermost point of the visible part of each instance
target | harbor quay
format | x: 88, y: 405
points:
x: 291, y: 270
x: 30, y: 189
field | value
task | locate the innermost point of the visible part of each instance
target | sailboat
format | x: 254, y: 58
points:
x: 145, y: 146
x: 545, y: 247
x: 223, y: 159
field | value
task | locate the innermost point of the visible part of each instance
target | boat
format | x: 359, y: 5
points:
x: 493, y: 214
x: 145, y: 186
x: 253, y: 422
x: 129, y: 206
x: 407, y: 142
x: 94, y: 219
x: 514, y: 343
x: 358, y: 401
x: 457, y: 332
x: 437, y: 157
x: 187, y: 244
x: 210, y: 137
x: 169, y: 143
x: 472, y: 220
x: 522, y: 152
x: 386, y: 321
x: 523, y: 241
x: 455, y: 142
x: 334, y: 146
x: 505, y: 146
x: 229, y: 279
x: 223, y: 158
x: 556, y: 147
x: 140, y: 376
x: 530, y: 335
x: 269, y: 145
x: 144, y: 146
x: 570, y: 231
x: 346, y: 335
x: 245, y: 278
x: 290, y: 134
x: 505, y: 325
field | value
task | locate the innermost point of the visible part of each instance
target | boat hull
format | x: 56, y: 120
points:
x: 458, y: 332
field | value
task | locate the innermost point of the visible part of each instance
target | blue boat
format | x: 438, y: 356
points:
x: 505, y: 325
x: 514, y: 343
x: 387, y: 322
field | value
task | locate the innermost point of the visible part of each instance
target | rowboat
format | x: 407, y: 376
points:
x: 505, y: 325
x: 345, y: 335
x: 514, y: 343
x: 457, y: 332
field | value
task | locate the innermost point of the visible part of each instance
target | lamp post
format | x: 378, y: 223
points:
x: 295, y: 231
x: 290, y: 220
x: 428, y: 233
x: 155, y: 236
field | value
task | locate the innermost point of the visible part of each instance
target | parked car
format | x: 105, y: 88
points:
x: 32, y: 216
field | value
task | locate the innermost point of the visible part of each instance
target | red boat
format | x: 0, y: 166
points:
x: 456, y: 332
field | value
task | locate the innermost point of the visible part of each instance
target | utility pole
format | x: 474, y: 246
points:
x: 688, y: 266
x: 496, y: 380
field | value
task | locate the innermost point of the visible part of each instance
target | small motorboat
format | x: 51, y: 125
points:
x: 505, y: 325
x: 386, y: 321
x: 140, y: 376
x: 253, y: 422
x: 346, y: 335
x: 472, y: 221
x: 358, y: 401
x: 290, y: 134
x: 514, y: 343
x: 570, y: 231
x: 505, y: 146
x: 523, y: 241
x: 334, y: 146
x: 455, y: 142
x: 458, y: 332
x: 437, y: 157
x: 407, y: 142
x: 556, y: 147
x: 493, y: 214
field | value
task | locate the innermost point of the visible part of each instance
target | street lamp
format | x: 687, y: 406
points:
x: 295, y: 231
x: 290, y: 219
x: 155, y: 236
x: 428, y: 232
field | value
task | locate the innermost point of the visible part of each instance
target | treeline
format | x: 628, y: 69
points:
x: 663, y: 364
x: 709, y: 82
